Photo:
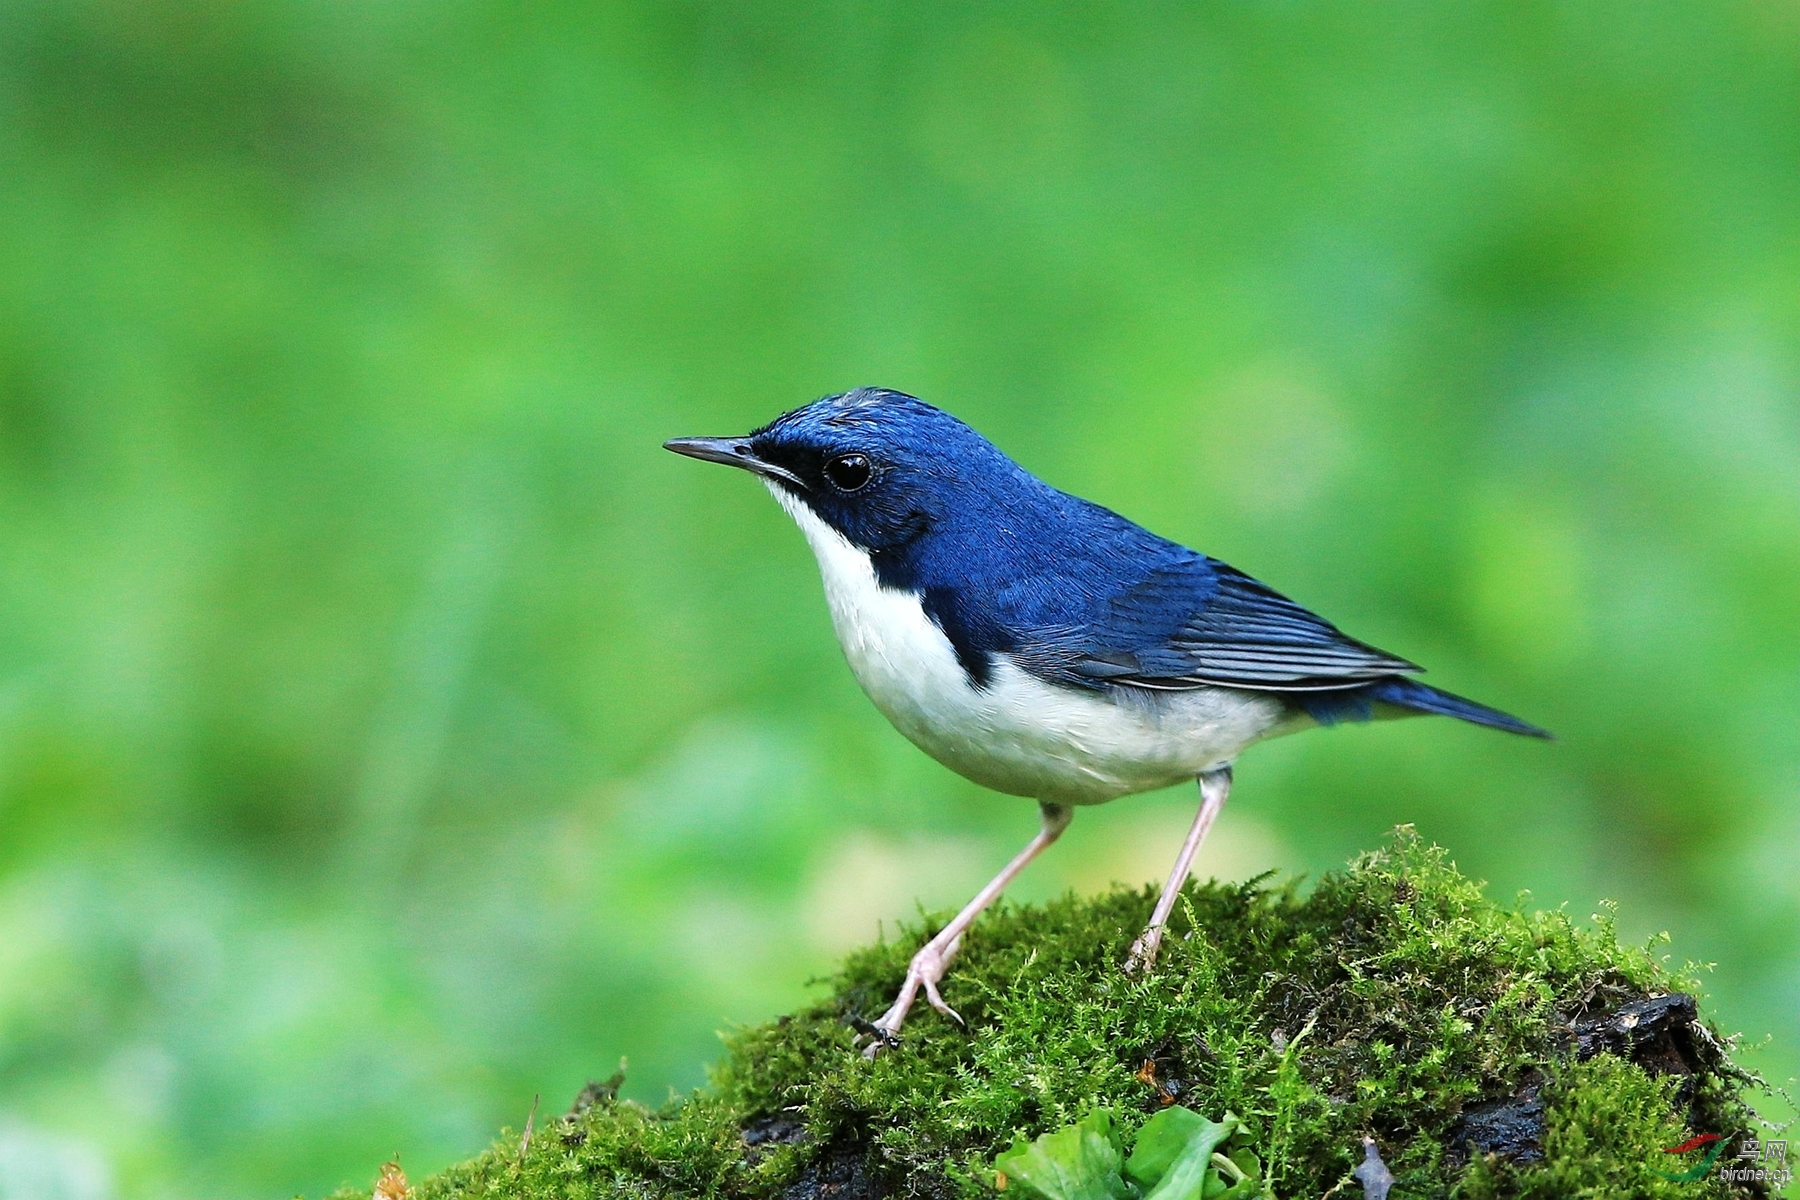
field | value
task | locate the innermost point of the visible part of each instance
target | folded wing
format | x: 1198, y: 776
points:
x: 1194, y: 622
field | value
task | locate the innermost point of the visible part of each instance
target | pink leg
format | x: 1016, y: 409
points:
x: 933, y: 959
x: 1214, y: 787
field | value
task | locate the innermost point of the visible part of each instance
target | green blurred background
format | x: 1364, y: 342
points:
x: 390, y: 731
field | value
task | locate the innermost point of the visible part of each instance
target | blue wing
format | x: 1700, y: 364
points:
x: 1195, y: 621
x: 1079, y: 595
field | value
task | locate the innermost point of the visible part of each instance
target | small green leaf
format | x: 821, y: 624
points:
x: 1247, y: 1188
x: 1246, y: 1169
x: 1077, y: 1162
x: 1173, y: 1154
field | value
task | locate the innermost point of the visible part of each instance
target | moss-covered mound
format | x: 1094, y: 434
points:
x: 1489, y: 1052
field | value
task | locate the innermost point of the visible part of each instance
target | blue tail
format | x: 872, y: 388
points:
x: 1358, y: 704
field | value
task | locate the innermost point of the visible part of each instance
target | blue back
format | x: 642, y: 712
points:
x: 1003, y: 562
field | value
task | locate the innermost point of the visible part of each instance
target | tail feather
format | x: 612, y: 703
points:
x: 1357, y: 704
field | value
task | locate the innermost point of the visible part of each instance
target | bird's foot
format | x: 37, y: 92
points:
x: 927, y: 967
x: 1142, y: 955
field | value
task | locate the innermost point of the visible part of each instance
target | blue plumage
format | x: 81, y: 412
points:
x: 1073, y: 592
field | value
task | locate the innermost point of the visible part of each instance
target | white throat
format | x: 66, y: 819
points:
x: 903, y: 661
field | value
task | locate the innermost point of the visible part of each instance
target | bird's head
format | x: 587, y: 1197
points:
x: 880, y: 467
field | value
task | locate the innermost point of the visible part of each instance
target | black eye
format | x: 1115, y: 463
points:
x: 847, y: 472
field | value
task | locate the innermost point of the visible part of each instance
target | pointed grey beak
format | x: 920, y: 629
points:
x: 733, y: 452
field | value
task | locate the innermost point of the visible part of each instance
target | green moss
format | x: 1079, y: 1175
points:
x: 1386, y: 1002
x: 1608, y: 1122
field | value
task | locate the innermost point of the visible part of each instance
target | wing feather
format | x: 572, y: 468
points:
x: 1196, y: 622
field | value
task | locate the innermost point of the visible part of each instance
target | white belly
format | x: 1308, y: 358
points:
x: 1019, y: 734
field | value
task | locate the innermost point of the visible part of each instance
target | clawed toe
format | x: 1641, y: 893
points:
x: 929, y: 974
x: 923, y: 972
x: 879, y: 1039
x: 937, y: 1002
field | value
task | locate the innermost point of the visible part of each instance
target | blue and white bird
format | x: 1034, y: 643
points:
x: 1042, y: 645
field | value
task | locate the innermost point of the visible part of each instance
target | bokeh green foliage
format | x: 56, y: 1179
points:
x: 390, y: 732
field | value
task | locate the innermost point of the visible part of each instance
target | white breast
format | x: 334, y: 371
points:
x: 1019, y: 734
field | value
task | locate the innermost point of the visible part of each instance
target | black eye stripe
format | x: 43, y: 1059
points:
x: 848, y: 472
